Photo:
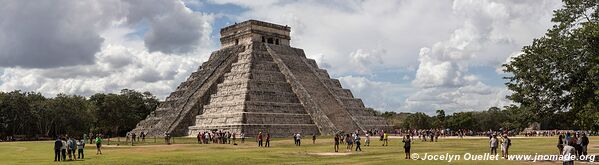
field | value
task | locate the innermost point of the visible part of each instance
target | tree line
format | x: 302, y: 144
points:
x: 31, y: 115
x: 492, y: 119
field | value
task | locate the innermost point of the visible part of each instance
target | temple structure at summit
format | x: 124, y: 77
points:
x: 256, y: 83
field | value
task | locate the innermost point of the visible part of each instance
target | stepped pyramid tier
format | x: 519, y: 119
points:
x: 257, y: 83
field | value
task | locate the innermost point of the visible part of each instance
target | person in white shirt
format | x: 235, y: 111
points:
x: 568, y: 153
x: 299, y: 139
x: 493, y: 143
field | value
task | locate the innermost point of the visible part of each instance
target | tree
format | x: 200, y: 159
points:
x: 439, y: 119
x: 559, y: 72
x: 120, y: 113
x: 418, y: 120
x: 461, y: 120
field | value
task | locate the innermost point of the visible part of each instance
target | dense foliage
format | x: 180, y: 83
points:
x: 556, y: 78
x: 491, y: 119
x: 33, y: 115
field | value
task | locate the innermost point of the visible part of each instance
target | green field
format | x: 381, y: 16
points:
x: 282, y: 151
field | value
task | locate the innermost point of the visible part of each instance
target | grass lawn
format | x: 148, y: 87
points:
x: 282, y: 151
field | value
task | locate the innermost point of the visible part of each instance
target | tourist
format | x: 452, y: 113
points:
x: 85, y: 138
x: 584, y: 143
x: 357, y: 140
x: 337, y: 139
x: 80, y: 145
x: 267, y: 140
x: 349, y: 142
x: 133, y: 137
x: 63, y: 149
x: 206, y: 137
x: 313, y: 138
x: 407, y: 145
x: 560, y: 143
x: 259, y: 139
x: 299, y: 139
x: 199, y: 137
x: 569, y: 150
x: 367, y: 141
x: 143, y: 136
x: 505, y: 145
x: 385, y: 139
x: 57, y: 147
x: 576, y: 144
x: 242, y: 135
x: 229, y: 137
x: 493, y: 143
x: 234, y: 138
x: 295, y: 138
x: 91, y: 138
x: 167, y: 138
x: 98, y: 144
x: 72, y: 148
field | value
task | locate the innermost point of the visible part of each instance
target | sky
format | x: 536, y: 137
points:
x: 400, y: 55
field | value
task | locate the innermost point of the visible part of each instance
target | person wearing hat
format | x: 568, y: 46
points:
x: 493, y: 143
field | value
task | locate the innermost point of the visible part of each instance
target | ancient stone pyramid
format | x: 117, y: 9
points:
x: 256, y: 83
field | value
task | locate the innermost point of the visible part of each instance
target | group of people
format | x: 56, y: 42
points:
x: 261, y: 138
x: 354, y: 138
x: 134, y: 137
x: 572, y: 144
x: 218, y: 137
x: 505, y: 142
x: 65, y: 147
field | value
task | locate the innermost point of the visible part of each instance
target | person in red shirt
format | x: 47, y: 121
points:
x: 267, y: 140
x: 259, y: 139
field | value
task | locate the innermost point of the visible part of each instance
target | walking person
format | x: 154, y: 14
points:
x: 357, y: 140
x: 267, y: 139
x: 407, y: 144
x: 80, y: 146
x: 313, y: 138
x: 199, y: 137
x: 57, y: 147
x: 98, y: 144
x: 493, y: 143
x: 337, y: 139
x: 385, y: 139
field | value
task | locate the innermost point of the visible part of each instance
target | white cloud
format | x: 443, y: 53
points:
x: 123, y: 61
x: 436, y: 43
x: 383, y: 96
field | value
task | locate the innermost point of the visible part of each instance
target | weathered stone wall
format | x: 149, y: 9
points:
x: 353, y: 109
x: 254, y: 97
x: 178, y: 111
